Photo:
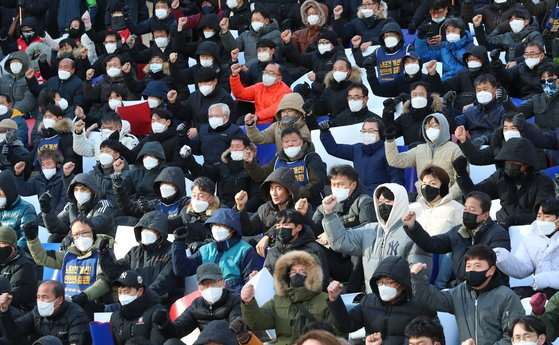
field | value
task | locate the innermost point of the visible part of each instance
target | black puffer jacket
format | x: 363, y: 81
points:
x: 239, y: 17
x: 378, y: 316
x: 140, y: 180
x: 170, y: 143
x: 195, y: 110
x: 134, y: 319
x: 334, y: 95
x: 200, y: 313
x: 20, y: 270
x: 495, y: 16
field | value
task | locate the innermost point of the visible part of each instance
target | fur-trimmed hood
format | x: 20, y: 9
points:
x: 209, y: 211
x: 320, y: 8
x: 63, y: 126
x: 382, y: 12
x: 436, y: 104
x: 354, y: 77
x: 75, y: 52
x: 314, y: 279
x: 226, y: 157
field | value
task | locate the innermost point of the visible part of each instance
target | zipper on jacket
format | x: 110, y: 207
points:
x: 476, y: 321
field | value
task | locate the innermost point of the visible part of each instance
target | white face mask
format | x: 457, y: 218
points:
x: 516, y: 25
x: 264, y: 56
x: 48, y: 123
x: 355, y: 105
x: 114, y: 72
x: 105, y: 159
x: 220, y: 233
x: 438, y: 20
x: 161, y: 42
x: 3, y: 202
x: 237, y: 155
x: 419, y: 102
x: 341, y: 194
x: 150, y: 162
x: 268, y: 80
x: 126, y: 299
x: 532, y: 62
x: 340, y: 76
x: 452, y: 37
x: 368, y: 138
x: 387, y: 293
x: 511, y: 134
x: 161, y: 13
x: 63, y: 103
x: 231, y: 4
x: 2, y: 137
x: 212, y: 294
x: 153, y: 103
x: 16, y: 67
x: 110, y: 47
x: 3, y: 109
x: 64, y: 75
x: 500, y: 1
x: 474, y: 64
x: 199, y: 206
x: 411, y: 68
x: 484, y: 97
x: 313, y: 19
x: 158, y: 127
x: 148, y: 237
x: 256, y: 25
x: 206, y: 89
x: 209, y: 34
x: 391, y: 42
x: 206, y: 62
x: 49, y: 173
x: 367, y: 12
x: 524, y: 342
x: 433, y: 134
x: 215, y: 122
x: 324, y: 48
x: 292, y: 151
x: 106, y: 133
x: 45, y: 309
x: 83, y: 243
x: 82, y: 197
x: 167, y: 190
x: 543, y: 228
x: 115, y: 103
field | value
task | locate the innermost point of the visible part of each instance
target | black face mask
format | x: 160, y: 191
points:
x: 512, y: 170
x: 74, y: 33
x: 475, y: 279
x: 284, y: 235
x: 429, y: 192
x: 5, y: 253
x: 384, y: 211
x: 470, y: 220
x: 117, y: 23
x: 297, y: 280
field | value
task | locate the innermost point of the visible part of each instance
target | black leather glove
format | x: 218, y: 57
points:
x: 44, y: 202
x: 239, y: 327
x: 368, y: 62
x: 118, y: 181
x: 389, y: 105
x: 304, y: 90
x: 180, y: 233
x: 449, y: 97
x: 494, y: 55
x: 501, y: 95
x: 403, y: 97
x: 103, y: 246
x: 308, y: 106
x: 145, y: 205
x: 194, y: 246
x: 324, y: 126
x: 390, y: 133
x: 460, y: 165
x: 519, y: 121
x: 160, y: 318
x: 412, y: 28
x: 31, y: 230
x: 422, y: 31
x: 182, y: 129
x: 80, y: 299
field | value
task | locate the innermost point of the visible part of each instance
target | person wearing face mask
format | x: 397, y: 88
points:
x: 208, y: 31
x: 208, y: 8
x: 391, y: 300
x: 100, y: 92
x: 517, y: 183
x: 530, y: 330
x: 483, y: 291
x: 371, y: 17
x: 535, y: 258
x: 163, y: 43
x: 298, y: 299
x: 157, y: 68
x: 495, y: 14
x: 163, y: 16
x: 14, y: 83
x: 437, y: 150
x: 216, y: 303
x: 84, y: 200
x: 87, y: 284
x: 433, y: 21
x: 375, y: 241
x: 236, y: 258
x: 138, y: 305
x: 314, y: 16
x: 156, y: 94
x: 357, y: 111
x: 151, y: 258
x: 112, y: 43
x: 53, y: 315
x: 7, y: 111
x: 30, y: 33
x: 12, y: 149
x: 239, y: 14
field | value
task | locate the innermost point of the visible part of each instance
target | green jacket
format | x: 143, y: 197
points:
x: 551, y: 317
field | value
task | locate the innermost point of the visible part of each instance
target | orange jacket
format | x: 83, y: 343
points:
x: 266, y: 99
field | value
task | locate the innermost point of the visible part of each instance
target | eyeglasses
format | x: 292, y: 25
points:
x: 391, y: 283
x: 531, y: 55
x: 81, y: 234
x: 548, y: 80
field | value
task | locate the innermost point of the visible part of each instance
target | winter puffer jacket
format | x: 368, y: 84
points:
x: 372, y: 312
x: 333, y: 99
x: 495, y: 16
x: 91, y: 147
x: 15, y: 84
x: 481, y: 119
x: 21, y: 272
x: 246, y: 41
x: 70, y: 89
x: 59, y: 138
x: 284, y: 312
x: 523, y: 82
x: 212, y: 142
x: 140, y: 180
x: 57, y: 186
x: 440, y: 216
x: 368, y: 28
x: 134, y: 319
x: 305, y: 39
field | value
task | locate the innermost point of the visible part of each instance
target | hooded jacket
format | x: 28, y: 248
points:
x: 216, y: 331
x: 441, y: 153
x: 272, y: 133
x: 518, y: 196
x: 368, y: 28
x: 195, y: 222
x: 134, y: 319
x: 232, y: 178
x: 15, y: 85
x: 59, y: 138
x: 140, y: 180
x: 306, y: 37
x: 21, y: 272
x: 152, y: 261
x: 99, y: 211
x: 100, y: 92
x: 246, y: 41
x: 376, y: 241
x: 373, y: 313
x: 239, y: 17
x: 333, y: 99
x: 19, y: 118
x: 284, y: 312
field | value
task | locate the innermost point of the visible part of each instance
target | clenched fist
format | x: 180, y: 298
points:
x: 338, y: 11
x: 247, y: 293
x: 286, y: 36
x: 241, y: 199
x: 89, y: 74
x: 224, y: 25
x: 334, y: 290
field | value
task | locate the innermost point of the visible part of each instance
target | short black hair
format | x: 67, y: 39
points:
x: 119, y: 90
x: 204, y: 184
x: 379, y: 123
x: 485, y: 78
x: 115, y: 34
x: 318, y: 326
x: 346, y: 61
x: 423, y: 326
x: 438, y: 4
x: 262, y: 12
x: 265, y: 43
x: 241, y: 137
x: 111, y: 144
x: 46, y: 97
x: 549, y: 68
x: 83, y: 220
x: 162, y: 113
x: 455, y: 22
x: 519, y: 12
x: 343, y: 170
x: 54, y: 109
x: 481, y: 252
x: 111, y: 116
x: 386, y: 193
x: 530, y: 323
x: 8, y: 98
x: 291, y: 130
x: 534, y: 44
x: 112, y: 56
x: 420, y: 83
x: 549, y: 206
x: 483, y: 198
x: 68, y: 41
x: 290, y: 215
x: 159, y: 55
x: 359, y: 86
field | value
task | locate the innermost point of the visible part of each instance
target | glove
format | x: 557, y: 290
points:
x: 389, y: 133
x: 449, y: 97
x: 117, y: 181
x: 324, y: 126
x: 308, y: 106
x: 160, y: 318
x: 145, y: 205
x: 31, y: 230
x: 403, y: 97
x: 422, y: 31
x: 411, y: 28
x: 194, y: 246
x: 185, y: 151
x: 44, y: 202
x: 182, y: 129
x: 368, y: 63
x: 180, y: 233
x: 460, y: 165
x: 80, y: 299
x: 389, y: 105
x: 537, y: 301
x: 519, y: 121
x: 239, y: 327
x: 501, y: 94
x: 104, y: 246
x: 495, y: 55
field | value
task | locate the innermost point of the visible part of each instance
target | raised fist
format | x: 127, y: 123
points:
x: 286, y: 36
x: 126, y: 68
x: 19, y: 168
x: 181, y: 23
x: 250, y: 119
x: 409, y: 219
x: 460, y: 134
x: 355, y: 41
x: 89, y: 74
x: 431, y: 67
x: 236, y: 69
x: 328, y: 204
x: 477, y: 19
x: 224, y: 25
x: 172, y: 96
x: 248, y: 155
x: 338, y: 11
x: 173, y: 57
x: 334, y: 290
x: 241, y: 199
x: 68, y: 168
x: 247, y: 293
x: 235, y: 54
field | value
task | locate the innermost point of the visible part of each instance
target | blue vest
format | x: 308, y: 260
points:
x: 51, y: 143
x: 388, y: 64
x: 172, y: 211
x: 78, y: 274
x: 553, y: 22
x: 299, y: 169
x: 229, y: 261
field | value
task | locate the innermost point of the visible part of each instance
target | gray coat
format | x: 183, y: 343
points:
x: 246, y: 41
x: 15, y: 85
